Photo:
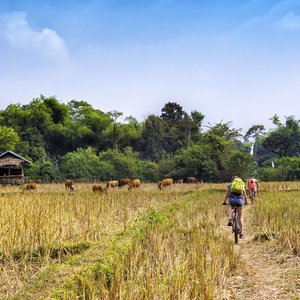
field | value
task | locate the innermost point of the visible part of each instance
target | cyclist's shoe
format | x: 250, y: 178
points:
x: 242, y: 236
x: 229, y: 222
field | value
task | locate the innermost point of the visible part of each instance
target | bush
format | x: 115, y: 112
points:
x: 84, y: 164
x: 125, y: 164
x: 44, y: 171
x: 150, y: 171
x: 269, y: 174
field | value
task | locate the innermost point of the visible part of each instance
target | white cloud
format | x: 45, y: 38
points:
x: 15, y: 29
x: 290, y: 21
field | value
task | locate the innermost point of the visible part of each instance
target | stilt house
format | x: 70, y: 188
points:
x: 11, y: 168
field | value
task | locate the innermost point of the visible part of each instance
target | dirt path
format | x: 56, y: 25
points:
x: 264, y: 273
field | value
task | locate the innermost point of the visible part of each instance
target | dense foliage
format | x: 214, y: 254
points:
x: 77, y: 141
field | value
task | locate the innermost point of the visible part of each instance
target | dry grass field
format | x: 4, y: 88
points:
x: 138, y: 244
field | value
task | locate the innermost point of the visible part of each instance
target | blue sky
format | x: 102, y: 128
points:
x: 231, y: 60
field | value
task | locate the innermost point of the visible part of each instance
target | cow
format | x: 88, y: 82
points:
x: 99, y: 188
x: 191, y: 180
x: 179, y: 181
x: 165, y: 182
x: 135, y: 183
x: 124, y: 182
x: 112, y: 184
x: 69, y: 185
x: 30, y: 187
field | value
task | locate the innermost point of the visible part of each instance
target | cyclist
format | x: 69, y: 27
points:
x: 238, y: 200
x: 252, y: 187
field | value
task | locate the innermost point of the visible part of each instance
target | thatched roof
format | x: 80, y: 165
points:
x: 9, y: 158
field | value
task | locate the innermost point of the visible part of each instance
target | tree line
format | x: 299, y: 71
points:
x: 75, y: 140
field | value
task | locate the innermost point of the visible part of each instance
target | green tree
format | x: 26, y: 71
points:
x: 59, y: 112
x: 126, y: 134
x: 14, y: 116
x: 38, y: 115
x: 288, y: 168
x: 126, y: 164
x: 176, y: 127
x: 197, y: 119
x: 220, y: 139
x: 44, y: 171
x: 8, y: 138
x: 195, y: 161
x: 276, y: 120
x: 279, y: 142
x: 166, y: 166
x: 58, y: 141
x: 150, y: 171
x: 33, y: 137
x: 172, y: 113
x: 254, y: 131
x: 151, y: 145
x: 241, y: 164
x: 85, y: 165
x: 91, y: 126
x: 285, y: 139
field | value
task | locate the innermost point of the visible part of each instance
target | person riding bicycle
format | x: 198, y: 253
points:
x: 237, y: 197
x: 252, y: 185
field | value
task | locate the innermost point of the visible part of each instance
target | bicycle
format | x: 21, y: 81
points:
x: 235, y: 223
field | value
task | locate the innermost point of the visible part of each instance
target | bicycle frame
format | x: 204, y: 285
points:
x: 252, y: 195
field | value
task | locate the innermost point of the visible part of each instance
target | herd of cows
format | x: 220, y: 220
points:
x: 124, y: 182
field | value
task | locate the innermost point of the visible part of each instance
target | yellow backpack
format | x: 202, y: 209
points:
x: 237, y: 186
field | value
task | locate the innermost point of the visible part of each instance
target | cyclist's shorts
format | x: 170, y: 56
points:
x: 236, y: 201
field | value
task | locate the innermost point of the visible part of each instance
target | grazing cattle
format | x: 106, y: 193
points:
x: 191, y: 180
x: 31, y: 187
x: 99, y: 188
x: 165, y: 182
x: 135, y: 183
x: 124, y: 182
x: 179, y: 181
x: 112, y: 184
x: 69, y: 185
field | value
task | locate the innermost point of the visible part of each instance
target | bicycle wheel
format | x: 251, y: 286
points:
x: 252, y: 196
x: 236, y: 228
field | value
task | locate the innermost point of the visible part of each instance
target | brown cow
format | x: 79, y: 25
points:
x: 30, y: 187
x: 112, y: 184
x: 135, y: 183
x: 124, y: 182
x: 99, y: 188
x: 69, y: 184
x: 191, y: 180
x: 179, y: 181
x: 165, y: 182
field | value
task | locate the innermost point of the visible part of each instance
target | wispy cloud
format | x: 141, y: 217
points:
x: 46, y: 43
x: 290, y: 21
x: 280, y: 16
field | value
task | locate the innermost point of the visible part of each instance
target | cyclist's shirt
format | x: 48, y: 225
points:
x: 235, y: 199
x: 252, y: 185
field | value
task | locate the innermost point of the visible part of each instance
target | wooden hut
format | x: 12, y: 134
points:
x: 11, y: 168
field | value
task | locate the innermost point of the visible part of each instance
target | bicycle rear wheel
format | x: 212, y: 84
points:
x: 236, y: 235
x: 252, y: 194
x: 236, y: 229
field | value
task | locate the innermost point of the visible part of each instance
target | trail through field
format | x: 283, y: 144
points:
x: 263, y: 273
